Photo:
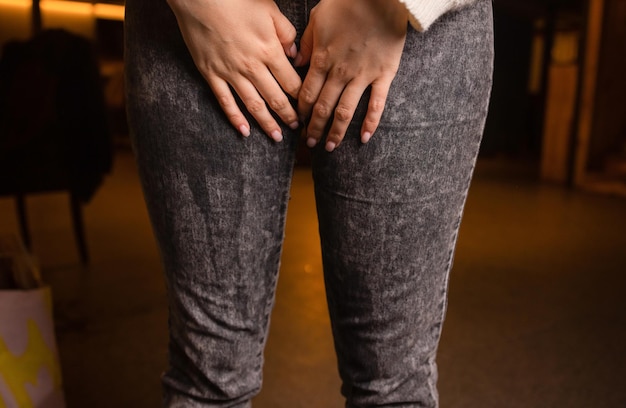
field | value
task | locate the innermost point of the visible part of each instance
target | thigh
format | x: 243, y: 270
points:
x: 217, y: 202
x: 389, y: 211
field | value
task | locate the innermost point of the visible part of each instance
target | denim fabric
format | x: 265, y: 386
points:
x: 389, y: 212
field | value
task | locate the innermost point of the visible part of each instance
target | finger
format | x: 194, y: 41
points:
x: 375, y: 107
x: 274, y: 96
x: 322, y: 111
x: 286, y: 76
x: 225, y: 98
x: 344, y: 112
x: 306, y: 47
x: 313, y: 82
x: 257, y: 108
x: 286, y: 33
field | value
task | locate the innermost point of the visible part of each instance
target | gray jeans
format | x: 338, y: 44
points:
x: 389, y: 212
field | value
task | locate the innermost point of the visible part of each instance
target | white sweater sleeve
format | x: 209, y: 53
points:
x: 422, y: 13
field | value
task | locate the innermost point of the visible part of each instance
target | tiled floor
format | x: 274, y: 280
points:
x: 537, y: 314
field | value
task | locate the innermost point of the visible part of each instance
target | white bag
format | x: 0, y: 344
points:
x: 30, y: 373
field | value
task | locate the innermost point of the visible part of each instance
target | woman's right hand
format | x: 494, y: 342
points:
x: 244, y: 44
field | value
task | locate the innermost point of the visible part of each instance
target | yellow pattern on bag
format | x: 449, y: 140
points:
x: 17, y: 371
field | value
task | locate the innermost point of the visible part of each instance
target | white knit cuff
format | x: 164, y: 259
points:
x: 422, y: 13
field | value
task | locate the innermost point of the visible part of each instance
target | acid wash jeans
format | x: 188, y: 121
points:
x: 389, y: 212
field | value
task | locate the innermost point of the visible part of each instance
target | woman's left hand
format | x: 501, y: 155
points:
x: 350, y: 45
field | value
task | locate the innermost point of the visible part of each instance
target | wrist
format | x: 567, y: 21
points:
x: 394, y: 12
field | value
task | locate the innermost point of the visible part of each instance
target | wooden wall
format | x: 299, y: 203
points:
x: 608, y: 132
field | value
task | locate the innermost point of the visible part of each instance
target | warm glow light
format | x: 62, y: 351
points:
x: 98, y: 10
x: 108, y: 11
x: 18, y: 3
x: 69, y: 7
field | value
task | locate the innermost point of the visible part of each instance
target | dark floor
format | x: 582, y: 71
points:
x: 537, y: 314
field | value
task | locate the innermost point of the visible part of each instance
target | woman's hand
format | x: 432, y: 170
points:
x: 244, y: 44
x: 350, y: 45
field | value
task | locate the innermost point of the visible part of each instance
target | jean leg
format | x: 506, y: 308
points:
x: 389, y: 212
x: 217, y: 202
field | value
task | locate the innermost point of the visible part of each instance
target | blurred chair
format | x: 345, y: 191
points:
x: 53, y: 128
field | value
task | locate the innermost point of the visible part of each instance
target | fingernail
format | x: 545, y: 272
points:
x: 310, y: 142
x: 298, y: 60
x: 294, y: 125
x: 276, y: 135
x: 293, y: 51
x: 243, y: 129
x: 330, y: 146
x: 366, y: 137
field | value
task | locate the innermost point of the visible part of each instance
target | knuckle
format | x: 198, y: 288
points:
x: 250, y: 68
x: 293, y: 87
x: 278, y: 104
x: 225, y: 101
x: 392, y: 71
x: 343, y: 113
x: 234, y: 117
x: 268, y: 52
x: 320, y: 61
x: 205, y: 65
x: 321, y: 109
x: 377, y: 105
x: 255, y: 106
x: 292, y: 90
x: 341, y: 71
x: 307, y: 96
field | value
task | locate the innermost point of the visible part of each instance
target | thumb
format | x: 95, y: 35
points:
x: 306, y: 46
x: 286, y: 33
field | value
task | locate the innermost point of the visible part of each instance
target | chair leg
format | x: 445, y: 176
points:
x: 20, y: 201
x: 79, y: 229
